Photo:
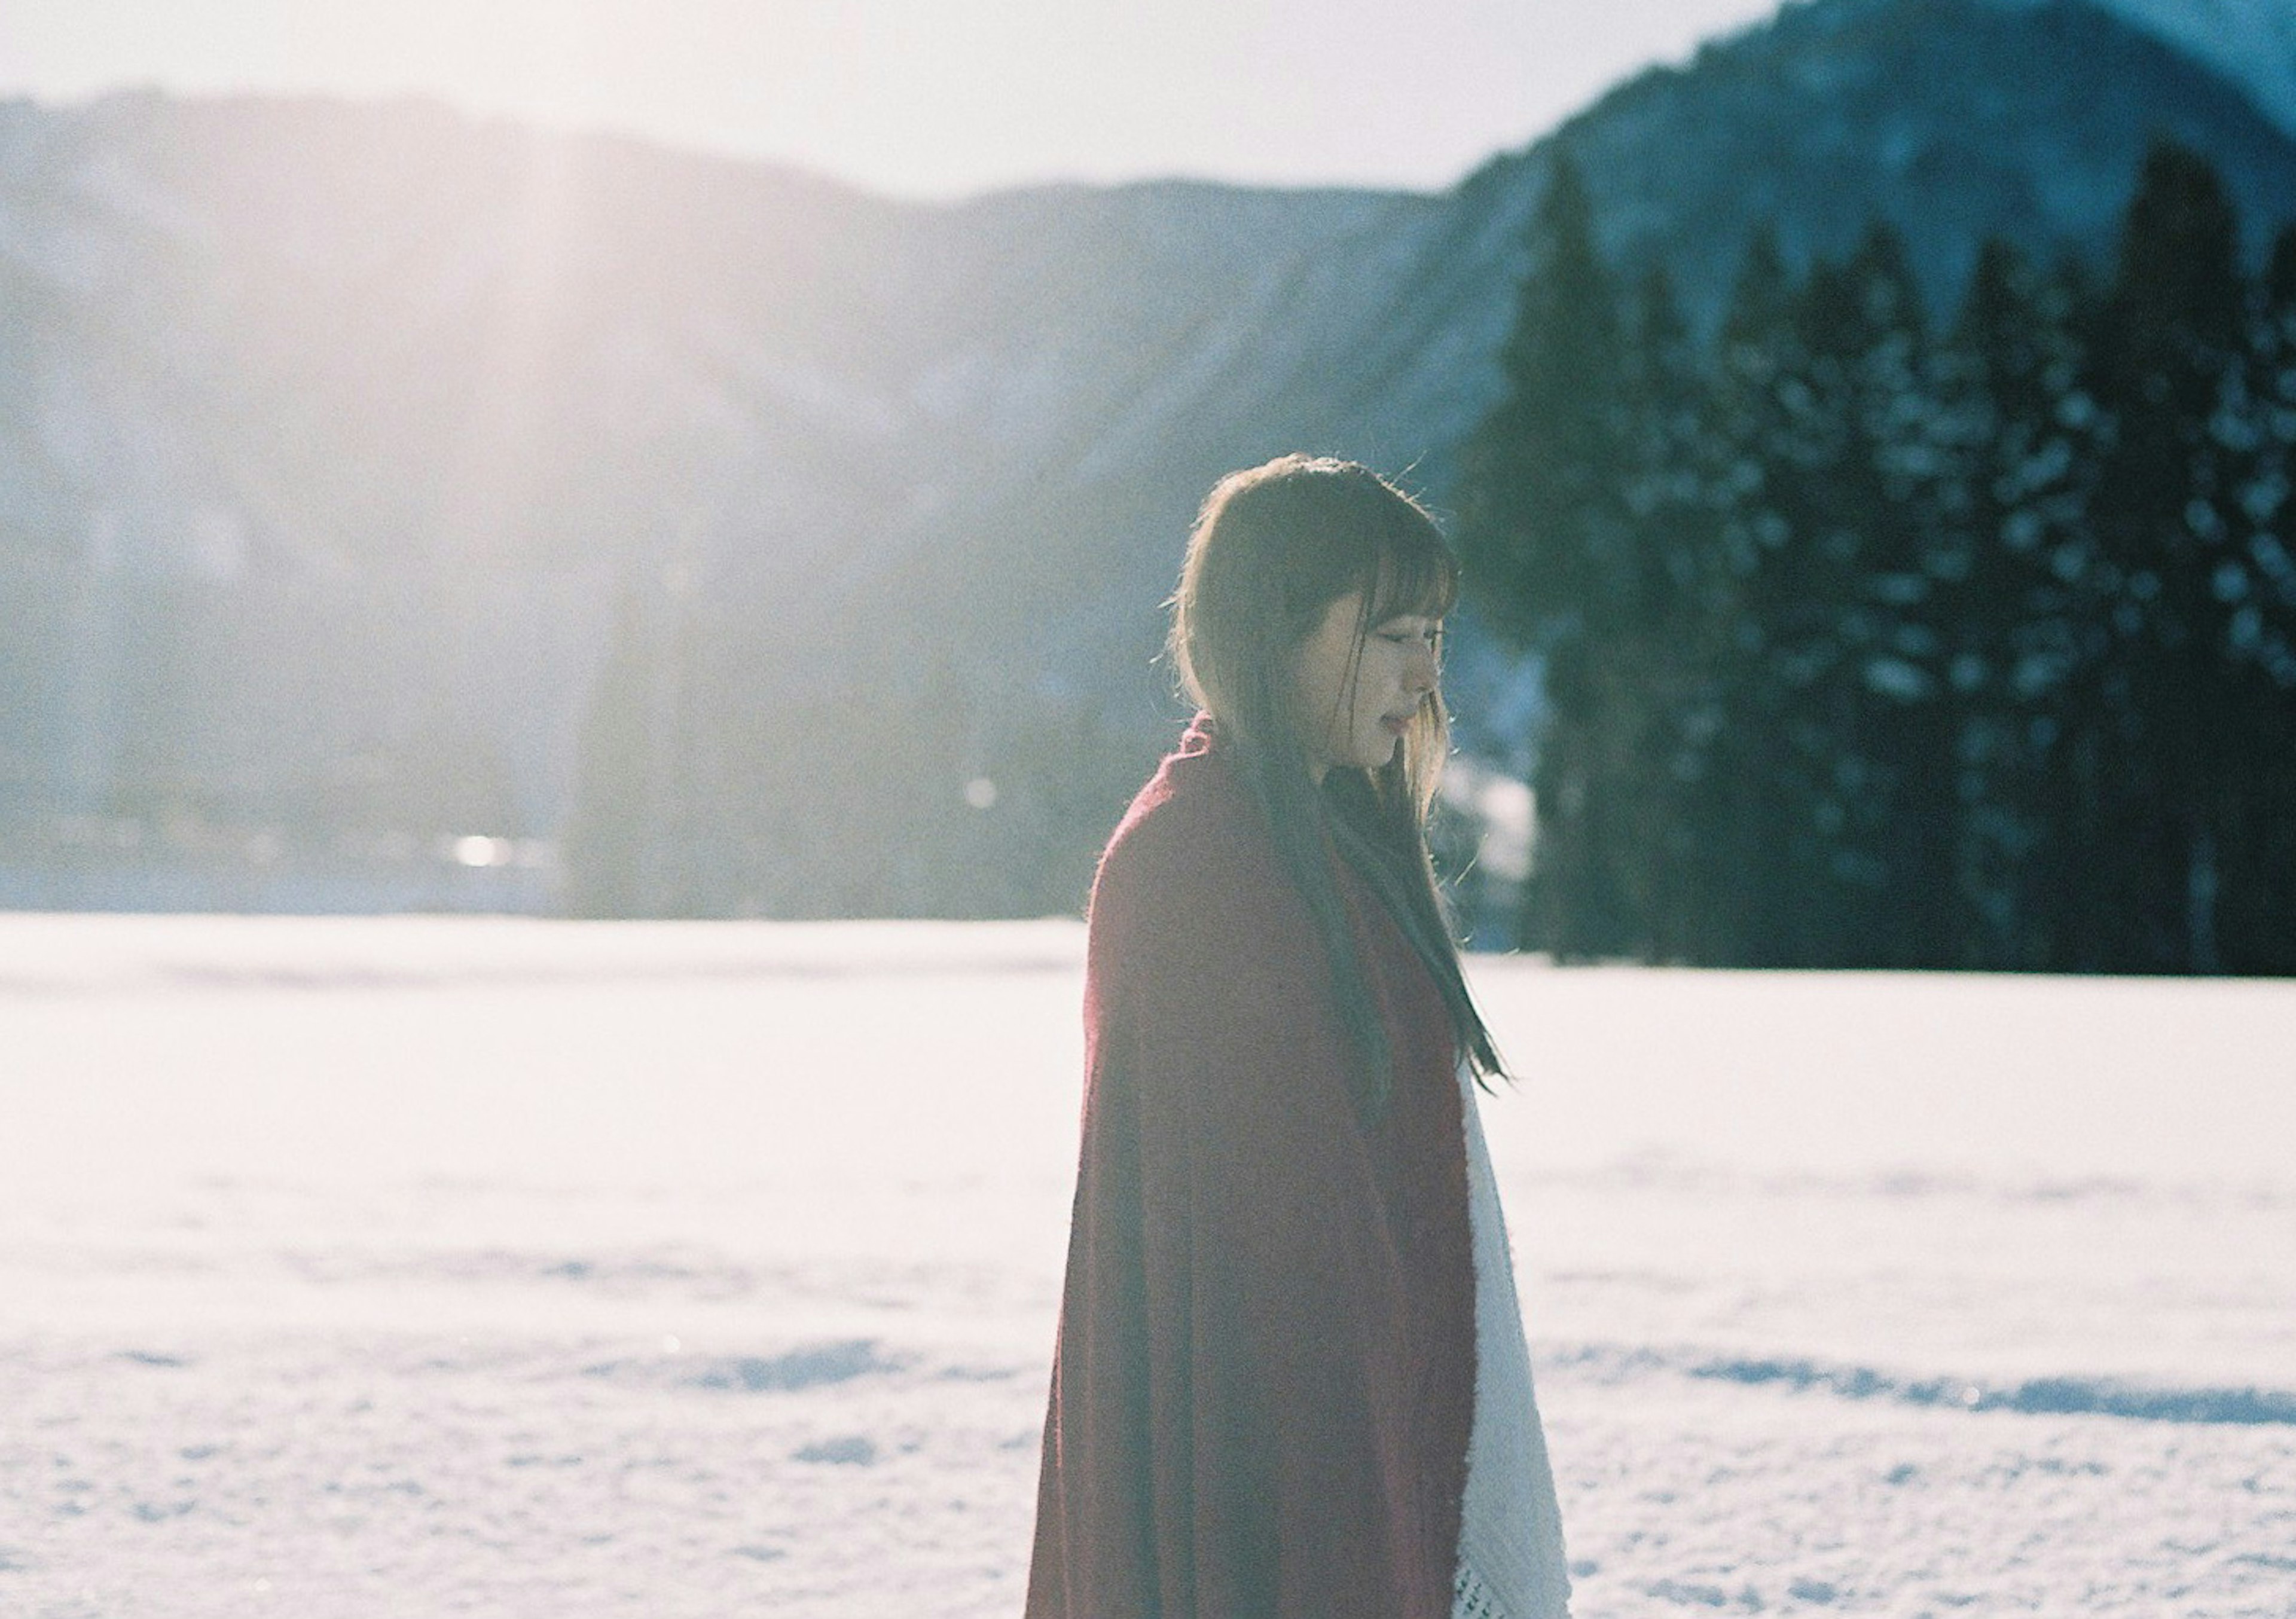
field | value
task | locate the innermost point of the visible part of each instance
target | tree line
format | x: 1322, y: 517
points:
x: 1877, y: 639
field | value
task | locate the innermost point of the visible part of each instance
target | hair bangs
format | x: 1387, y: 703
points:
x: 1417, y: 578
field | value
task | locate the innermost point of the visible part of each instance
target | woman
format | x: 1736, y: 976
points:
x: 1290, y: 1378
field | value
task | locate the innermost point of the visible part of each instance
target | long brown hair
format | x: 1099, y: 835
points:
x: 1272, y: 548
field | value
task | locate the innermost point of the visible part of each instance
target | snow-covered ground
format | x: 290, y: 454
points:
x: 420, y: 1266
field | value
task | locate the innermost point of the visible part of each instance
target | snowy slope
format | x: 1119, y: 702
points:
x: 339, y: 436
x: 418, y: 1266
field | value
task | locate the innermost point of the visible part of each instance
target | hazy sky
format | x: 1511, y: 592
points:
x: 923, y: 96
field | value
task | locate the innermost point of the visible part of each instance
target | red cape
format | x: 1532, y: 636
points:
x: 1264, y: 1381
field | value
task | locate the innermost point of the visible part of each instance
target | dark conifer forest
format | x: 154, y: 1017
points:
x: 1881, y: 636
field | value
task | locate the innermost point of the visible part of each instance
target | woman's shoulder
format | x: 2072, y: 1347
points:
x: 1192, y: 831
x: 1193, y: 918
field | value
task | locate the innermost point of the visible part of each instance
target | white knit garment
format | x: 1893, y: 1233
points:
x: 1511, y: 1560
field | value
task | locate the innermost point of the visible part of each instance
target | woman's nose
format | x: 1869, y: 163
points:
x: 1421, y: 674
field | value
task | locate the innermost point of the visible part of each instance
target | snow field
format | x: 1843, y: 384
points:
x: 408, y: 1266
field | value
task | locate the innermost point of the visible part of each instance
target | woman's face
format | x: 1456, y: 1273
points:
x: 1356, y: 698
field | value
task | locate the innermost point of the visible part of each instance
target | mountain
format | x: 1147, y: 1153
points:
x: 357, y: 462
x: 1952, y: 119
x: 2251, y: 42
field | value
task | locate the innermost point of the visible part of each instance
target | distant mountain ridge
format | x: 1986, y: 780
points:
x: 336, y: 443
x: 1953, y: 119
x: 2253, y: 42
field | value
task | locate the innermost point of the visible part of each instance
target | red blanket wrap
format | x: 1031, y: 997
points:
x: 1264, y: 1380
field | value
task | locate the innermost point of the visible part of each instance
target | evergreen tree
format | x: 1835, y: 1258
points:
x: 2163, y: 366
x: 1895, y: 750
x: 1546, y: 530
x: 1749, y: 804
x: 1684, y: 592
x: 2255, y: 583
x: 1833, y: 693
x: 2017, y: 436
